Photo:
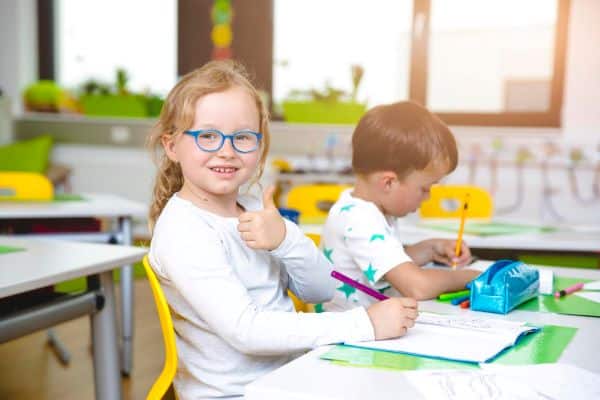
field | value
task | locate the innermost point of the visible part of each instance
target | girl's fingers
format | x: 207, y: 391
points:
x: 411, y: 313
x: 244, y: 227
x: 408, y: 302
x: 246, y: 217
x: 252, y: 244
x: 247, y: 236
x: 408, y: 322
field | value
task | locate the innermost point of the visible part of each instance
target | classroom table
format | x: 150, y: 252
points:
x: 44, y: 262
x: 116, y: 209
x: 310, y: 378
x: 564, y: 239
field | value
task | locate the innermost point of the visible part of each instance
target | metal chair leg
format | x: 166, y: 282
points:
x: 59, y: 349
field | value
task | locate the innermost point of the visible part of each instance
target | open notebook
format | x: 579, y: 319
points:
x: 454, y: 337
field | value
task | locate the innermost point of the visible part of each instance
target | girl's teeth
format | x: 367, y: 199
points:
x: 224, y: 170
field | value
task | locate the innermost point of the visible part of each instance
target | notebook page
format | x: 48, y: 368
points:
x: 453, y: 337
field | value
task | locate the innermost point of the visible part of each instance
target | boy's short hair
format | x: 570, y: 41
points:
x: 401, y: 137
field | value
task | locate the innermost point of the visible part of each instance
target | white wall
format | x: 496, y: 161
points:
x: 18, y: 47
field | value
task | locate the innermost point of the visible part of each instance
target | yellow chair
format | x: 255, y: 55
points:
x: 299, y: 305
x: 314, y: 201
x: 25, y: 186
x: 446, y: 201
x: 164, y: 380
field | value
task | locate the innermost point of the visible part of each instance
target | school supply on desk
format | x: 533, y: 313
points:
x: 454, y: 337
x: 357, y: 285
x: 465, y: 304
x: 503, y: 286
x: 569, y: 290
x: 453, y: 295
x: 461, y: 229
x: 546, y: 346
x: 542, y: 381
x: 592, y: 285
x: 457, y: 300
x: 591, y: 296
x: 9, y: 249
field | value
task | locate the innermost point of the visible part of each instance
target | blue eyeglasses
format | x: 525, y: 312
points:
x: 212, y: 140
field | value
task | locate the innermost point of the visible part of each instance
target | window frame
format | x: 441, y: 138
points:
x: 548, y: 118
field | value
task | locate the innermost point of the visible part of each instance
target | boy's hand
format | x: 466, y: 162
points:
x: 264, y: 229
x: 392, y: 317
x: 443, y: 251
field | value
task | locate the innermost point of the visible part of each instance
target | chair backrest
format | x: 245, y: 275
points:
x: 314, y: 201
x: 25, y: 186
x: 164, y: 380
x: 446, y: 201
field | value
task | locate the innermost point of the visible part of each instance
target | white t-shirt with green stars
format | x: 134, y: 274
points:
x: 364, y: 244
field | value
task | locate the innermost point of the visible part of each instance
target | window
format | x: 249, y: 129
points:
x: 473, y: 62
x: 490, y: 56
x: 93, y: 39
x: 317, y: 42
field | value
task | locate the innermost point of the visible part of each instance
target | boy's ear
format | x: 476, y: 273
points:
x: 168, y: 144
x: 387, y: 179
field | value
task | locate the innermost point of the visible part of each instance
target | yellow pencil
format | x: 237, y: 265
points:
x: 463, y: 216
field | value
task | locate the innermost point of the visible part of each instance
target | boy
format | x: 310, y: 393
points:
x: 398, y: 151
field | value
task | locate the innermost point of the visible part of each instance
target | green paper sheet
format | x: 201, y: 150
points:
x: 61, y: 197
x: 487, y: 228
x: 9, y: 249
x: 545, y: 346
x: 570, y: 304
x: 58, y: 198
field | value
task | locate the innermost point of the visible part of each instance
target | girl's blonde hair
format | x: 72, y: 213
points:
x: 177, y: 115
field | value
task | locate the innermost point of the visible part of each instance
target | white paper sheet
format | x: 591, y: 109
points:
x: 592, y: 286
x: 531, y: 382
x: 593, y: 296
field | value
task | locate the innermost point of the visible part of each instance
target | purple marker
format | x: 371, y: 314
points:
x: 365, y: 289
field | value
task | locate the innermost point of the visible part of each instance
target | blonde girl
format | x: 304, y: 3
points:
x: 225, y: 259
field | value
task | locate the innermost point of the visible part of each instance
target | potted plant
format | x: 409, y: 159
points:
x: 102, y: 99
x: 329, y: 106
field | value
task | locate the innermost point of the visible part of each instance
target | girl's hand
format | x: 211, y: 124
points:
x: 264, y: 230
x: 443, y: 251
x: 392, y: 317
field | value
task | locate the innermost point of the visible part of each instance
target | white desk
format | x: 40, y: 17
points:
x: 120, y: 211
x: 47, y: 262
x: 309, y: 377
x: 564, y: 240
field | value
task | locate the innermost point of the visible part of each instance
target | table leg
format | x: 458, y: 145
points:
x: 126, y: 302
x: 104, y: 341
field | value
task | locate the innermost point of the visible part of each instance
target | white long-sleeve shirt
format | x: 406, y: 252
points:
x: 231, y: 313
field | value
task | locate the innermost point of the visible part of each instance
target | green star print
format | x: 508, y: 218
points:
x: 370, y: 273
x: 377, y: 236
x: 347, y: 207
x: 327, y: 253
x: 346, y: 289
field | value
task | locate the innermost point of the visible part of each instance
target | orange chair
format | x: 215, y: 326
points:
x: 163, y: 382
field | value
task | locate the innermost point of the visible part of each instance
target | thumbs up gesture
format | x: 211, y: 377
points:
x: 263, y: 229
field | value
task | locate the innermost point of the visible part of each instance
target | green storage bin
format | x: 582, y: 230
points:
x: 115, y: 106
x: 321, y: 112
